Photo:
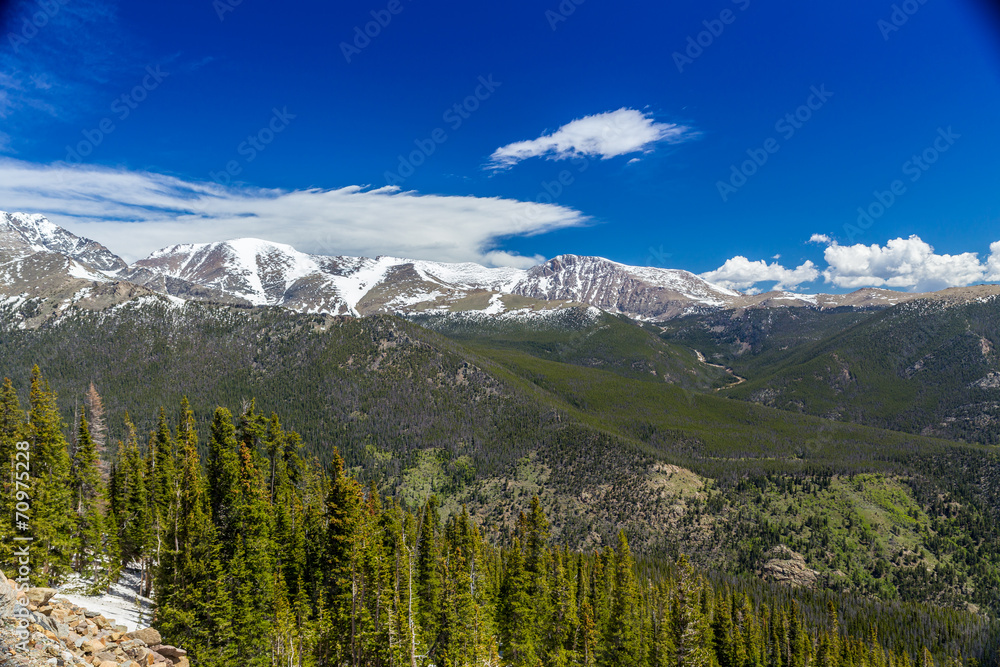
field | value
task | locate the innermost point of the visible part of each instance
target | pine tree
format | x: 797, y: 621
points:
x: 428, y: 576
x: 252, y: 565
x: 52, y: 502
x: 186, y: 574
x: 515, y: 615
x: 797, y: 638
x: 665, y: 649
x: 162, y: 489
x: 722, y: 629
x: 13, y: 430
x: 129, y: 499
x: 828, y: 652
x: 691, y: 625
x: 87, y: 492
x: 624, y: 639
x: 223, y: 481
x: 344, y: 508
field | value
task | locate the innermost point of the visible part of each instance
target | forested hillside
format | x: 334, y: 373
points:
x: 929, y: 366
x: 585, y: 414
x: 258, y: 555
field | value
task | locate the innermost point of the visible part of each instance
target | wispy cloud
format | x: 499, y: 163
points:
x: 603, y: 135
x: 57, y: 59
x: 134, y: 213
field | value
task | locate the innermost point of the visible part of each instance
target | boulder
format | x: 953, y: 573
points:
x: 40, y: 596
x: 788, y: 567
x: 150, y: 636
x: 8, y: 597
x: 168, y: 651
x: 129, y: 645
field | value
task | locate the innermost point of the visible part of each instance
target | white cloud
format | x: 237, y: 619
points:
x: 504, y: 258
x: 603, y: 135
x: 820, y: 238
x: 134, y: 213
x: 740, y: 273
x: 993, y: 263
x: 905, y: 264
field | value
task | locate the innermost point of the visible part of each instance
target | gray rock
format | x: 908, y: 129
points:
x: 40, y: 596
x: 168, y: 651
x: 8, y: 597
x: 151, y: 636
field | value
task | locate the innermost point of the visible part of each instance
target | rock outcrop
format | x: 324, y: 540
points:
x: 789, y: 567
x: 63, y: 634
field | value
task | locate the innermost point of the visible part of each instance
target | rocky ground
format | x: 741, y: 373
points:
x: 64, y: 634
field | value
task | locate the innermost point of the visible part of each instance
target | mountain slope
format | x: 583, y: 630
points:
x: 489, y: 426
x: 927, y: 366
x: 35, y: 232
x: 254, y: 272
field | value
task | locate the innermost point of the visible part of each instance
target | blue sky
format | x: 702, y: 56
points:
x: 667, y: 98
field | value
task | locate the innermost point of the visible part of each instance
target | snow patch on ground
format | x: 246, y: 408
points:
x: 78, y: 270
x: 122, y: 602
x: 367, y: 274
x: 496, y: 306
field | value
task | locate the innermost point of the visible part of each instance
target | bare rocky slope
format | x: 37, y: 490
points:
x: 39, y: 628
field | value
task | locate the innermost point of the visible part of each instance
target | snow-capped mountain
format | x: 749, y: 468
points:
x: 618, y: 288
x: 35, y: 233
x: 261, y: 272
x: 38, y: 258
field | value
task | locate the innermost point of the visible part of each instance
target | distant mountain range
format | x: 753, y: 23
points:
x: 38, y: 259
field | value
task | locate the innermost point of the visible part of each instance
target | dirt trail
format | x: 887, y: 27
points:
x: 739, y: 380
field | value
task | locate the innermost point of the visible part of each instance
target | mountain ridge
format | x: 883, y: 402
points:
x: 257, y: 272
